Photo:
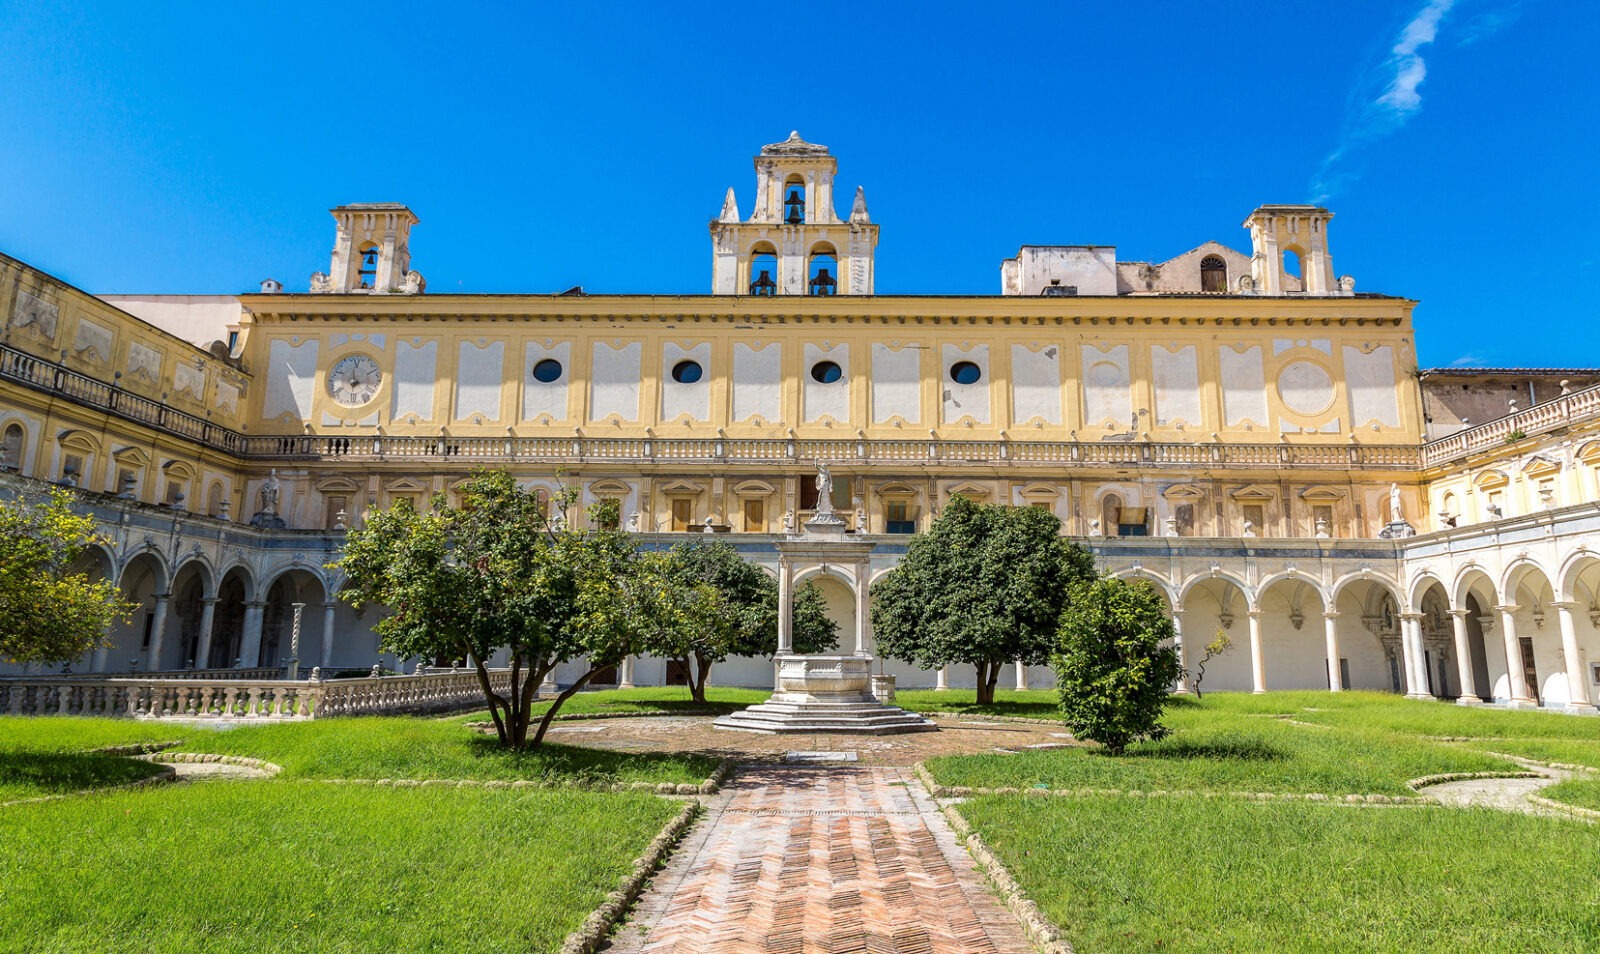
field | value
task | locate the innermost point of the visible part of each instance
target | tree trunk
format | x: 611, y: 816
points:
x: 702, y: 667
x: 986, y: 683
x: 525, y: 696
x: 495, y: 700
x: 550, y: 714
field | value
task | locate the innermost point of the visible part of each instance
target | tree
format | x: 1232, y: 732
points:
x: 1112, y: 671
x: 737, y: 617
x: 1220, y: 645
x: 50, y: 612
x: 497, y: 575
x: 984, y: 586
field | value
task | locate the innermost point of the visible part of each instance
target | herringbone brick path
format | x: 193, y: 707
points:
x: 821, y: 859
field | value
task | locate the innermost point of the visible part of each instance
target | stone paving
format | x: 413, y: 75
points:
x: 805, y: 858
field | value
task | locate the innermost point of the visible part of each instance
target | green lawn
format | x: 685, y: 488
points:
x: 1582, y: 792
x: 1032, y: 703
x: 49, y: 755
x: 283, y: 866
x: 1568, y: 751
x: 655, y: 699
x: 1208, y: 875
x: 1237, y: 742
x: 412, y: 748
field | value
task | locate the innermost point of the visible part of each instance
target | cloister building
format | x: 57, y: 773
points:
x: 1243, y: 429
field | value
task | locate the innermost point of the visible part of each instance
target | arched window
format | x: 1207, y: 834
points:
x: 1213, y: 274
x: 1291, y: 266
x: 794, y: 202
x: 11, y: 447
x: 368, y: 273
x: 763, y: 270
x: 1110, y: 514
x: 823, y: 275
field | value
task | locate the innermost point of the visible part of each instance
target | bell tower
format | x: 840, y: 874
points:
x: 794, y: 242
x: 1281, y: 233
x: 371, y: 251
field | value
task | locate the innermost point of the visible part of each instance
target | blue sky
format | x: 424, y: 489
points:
x: 195, y: 148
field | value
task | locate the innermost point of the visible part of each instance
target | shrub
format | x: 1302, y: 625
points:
x: 1112, y: 670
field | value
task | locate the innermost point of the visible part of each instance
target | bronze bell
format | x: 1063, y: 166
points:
x: 764, y: 285
x: 796, y: 206
x: 823, y: 284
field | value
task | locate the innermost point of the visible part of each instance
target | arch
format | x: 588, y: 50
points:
x: 1391, y: 586
x: 1213, y: 274
x: 1297, y: 576
x: 794, y: 200
x: 240, y: 571
x: 822, y: 270
x: 13, y: 445
x: 95, y: 561
x: 1516, y: 575
x: 367, y: 265
x: 762, y: 270
x: 214, y: 499
x: 1572, y: 570
x: 1215, y: 573
x: 1162, y: 584
x: 287, y: 586
x: 1420, y: 585
x: 1292, y: 262
x: 844, y: 574
x: 201, y: 566
x: 149, y: 558
x: 1466, y: 580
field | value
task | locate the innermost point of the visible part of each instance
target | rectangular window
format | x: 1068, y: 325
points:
x: 335, y: 506
x: 1322, y: 514
x: 755, y: 516
x: 898, y: 518
x: 174, y: 491
x: 1255, y: 515
x: 682, y: 513
x: 1133, y: 522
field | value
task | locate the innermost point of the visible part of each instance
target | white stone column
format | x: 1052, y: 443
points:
x: 158, y: 632
x: 785, y: 617
x: 250, y: 644
x: 1517, y: 684
x: 1330, y: 639
x: 1258, y: 665
x: 1022, y: 675
x: 101, y: 656
x: 1416, y: 664
x: 942, y: 678
x: 208, y: 613
x: 625, y: 673
x: 1577, y: 681
x: 863, y: 609
x: 327, y: 633
x: 1182, y: 650
x: 1469, y: 682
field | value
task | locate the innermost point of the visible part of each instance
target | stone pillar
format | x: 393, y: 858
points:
x: 625, y: 673
x: 785, y: 610
x: 1022, y: 675
x: 1258, y: 665
x: 1577, y: 682
x: 1517, y: 685
x: 250, y: 644
x: 1179, y: 647
x: 1469, y: 683
x: 208, y: 613
x: 1330, y: 639
x: 102, y: 655
x: 1411, y: 649
x: 942, y: 678
x: 327, y: 633
x: 863, y: 609
x: 158, y: 631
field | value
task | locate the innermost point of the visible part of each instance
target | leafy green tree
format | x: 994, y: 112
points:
x: 1112, y: 671
x: 496, y: 575
x: 1220, y: 645
x: 50, y: 612
x: 983, y: 586
x: 737, y: 617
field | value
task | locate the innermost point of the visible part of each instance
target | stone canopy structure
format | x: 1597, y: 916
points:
x: 1240, y: 427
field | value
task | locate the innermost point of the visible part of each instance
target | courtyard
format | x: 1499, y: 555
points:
x: 1295, y: 821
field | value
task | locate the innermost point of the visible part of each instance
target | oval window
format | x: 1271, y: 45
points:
x: 547, y: 371
x: 686, y: 372
x: 965, y: 372
x: 826, y: 372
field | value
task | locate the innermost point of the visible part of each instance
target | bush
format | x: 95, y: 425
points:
x: 1112, y: 670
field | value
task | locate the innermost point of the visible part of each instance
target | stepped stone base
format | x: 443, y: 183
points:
x: 825, y: 694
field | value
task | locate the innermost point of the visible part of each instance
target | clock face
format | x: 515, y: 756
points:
x: 354, y: 380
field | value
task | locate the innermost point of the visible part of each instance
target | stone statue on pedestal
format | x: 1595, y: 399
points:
x: 267, y: 517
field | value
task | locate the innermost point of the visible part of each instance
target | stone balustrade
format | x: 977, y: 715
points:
x: 1564, y: 411
x: 201, y: 697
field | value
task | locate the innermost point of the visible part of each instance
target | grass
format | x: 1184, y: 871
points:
x: 655, y: 699
x: 1204, y: 875
x: 1570, y: 751
x: 49, y: 755
x: 1582, y: 792
x: 411, y: 748
x: 1235, y: 742
x: 1032, y: 703
x: 255, y: 866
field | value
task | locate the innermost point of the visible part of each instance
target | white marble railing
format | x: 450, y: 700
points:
x: 1561, y: 412
x: 272, y: 699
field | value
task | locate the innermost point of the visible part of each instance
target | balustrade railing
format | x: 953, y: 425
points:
x: 201, y: 697
x: 1541, y: 418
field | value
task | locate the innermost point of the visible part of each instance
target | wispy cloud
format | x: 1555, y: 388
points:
x: 1485, y: 25
x: 1385, y: 98
x: 1467, y: 361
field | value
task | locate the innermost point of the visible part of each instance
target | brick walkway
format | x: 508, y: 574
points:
x: 825, y: 859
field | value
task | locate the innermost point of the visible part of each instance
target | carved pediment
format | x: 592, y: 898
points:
x: 1254, y: 493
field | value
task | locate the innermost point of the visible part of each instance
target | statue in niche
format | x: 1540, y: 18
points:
x: 267, y: 517
x: 633, y: 521
x: 1394, y: 504
x: 824, y: 489
x: 788, y: 521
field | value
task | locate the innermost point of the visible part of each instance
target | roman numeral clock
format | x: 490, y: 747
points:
x: 354, y: 380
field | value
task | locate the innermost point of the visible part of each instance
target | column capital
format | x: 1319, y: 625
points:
x: 1508, y: 608
x: 1331, y: 614
x: 254, y: 604
x: 1564, y: 605
x: 211, y: 600
x: 1461, y: 613
x: 1411, y: 617
x: 1254, y: 614
x: 330, y: 604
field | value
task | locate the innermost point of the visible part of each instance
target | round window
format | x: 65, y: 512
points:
x: 965, y: 372
x: 687, y: 372
x: 547, y: 371
x: 826, y: 372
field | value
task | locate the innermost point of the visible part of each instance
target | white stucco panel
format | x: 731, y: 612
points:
x: 615, y: 387
x: 291, y: 378
x: 415, y: 367
x: 1106, y: 397
x: 1370, y: 380
x: 1176, y: 375
x: 678, y: 398
x: 831, y: 400
x: 1036, y: 384
x: 965, y: 400
x: 1244, y: 386
x: 896, y: 383
x: 480, y: 374
x: 546, y: 397
x: 757, y: 382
